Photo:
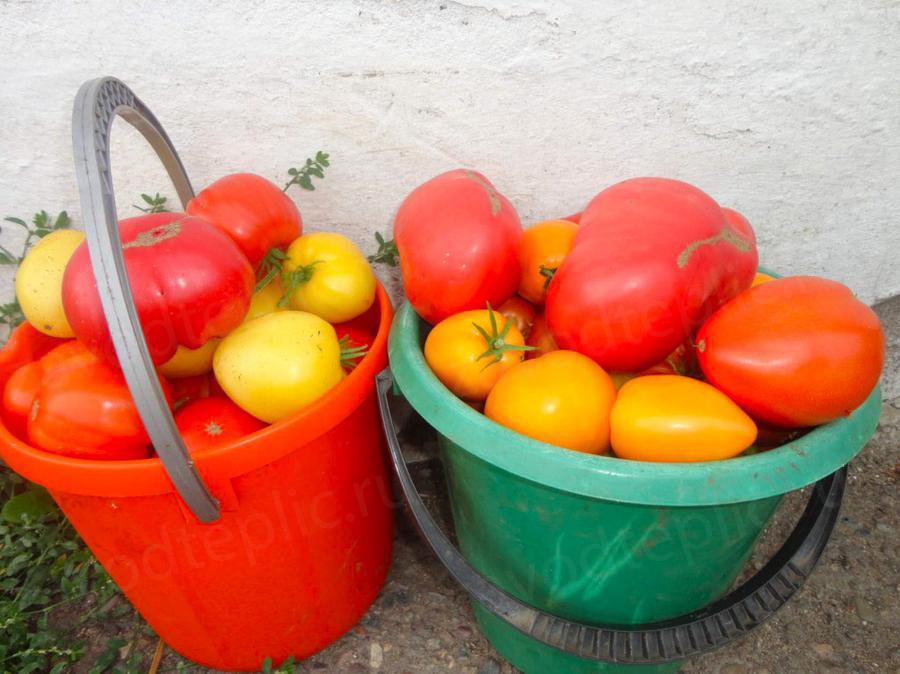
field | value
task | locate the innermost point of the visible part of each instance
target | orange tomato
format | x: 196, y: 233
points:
x: 471, y: 350
x: 540, y: 338
x: 544, y: 247
x: 669, y: 418
x: 520, y: 311
x: 562, y: 398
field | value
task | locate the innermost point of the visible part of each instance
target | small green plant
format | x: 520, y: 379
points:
x: 286, y: 667
x: 303, y: 176
x: 42, y: 224
x: 154, y: 204
x: 387, y: 253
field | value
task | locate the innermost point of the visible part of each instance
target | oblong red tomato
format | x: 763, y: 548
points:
x: 653, y: 257
x: 253, y: 211
x: 458, y: 240
x: 793, y: 352
x: 189, y: 280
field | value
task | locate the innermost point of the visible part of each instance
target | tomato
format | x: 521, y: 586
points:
x: 327, y: 275
x: 761, y: 278
x: 265, y: 300
x: 277, y: 364
x: 39, y: 282
x: 520, y: 311
x: 212, y: 422
x: 458, y: 240
x: 540, y: 338
x: 186, y: 389
x: 190, y: 282
x: 253, y: 211
x: 793, y: 352
x: 651, y: 260
x: 78, y: 406
x: 24, y: 345
x: 670, y: 418
x: 190, y: 362
x: 544, y: 247
x: 471, y: 350
x: 562, y: 398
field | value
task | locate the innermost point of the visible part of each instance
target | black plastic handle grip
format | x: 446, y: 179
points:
x: 701, y: 631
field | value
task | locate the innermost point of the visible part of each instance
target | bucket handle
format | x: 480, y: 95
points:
x: 695, y: 633
x: 96, y: 106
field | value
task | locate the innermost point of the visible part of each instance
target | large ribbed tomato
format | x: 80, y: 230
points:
x: 190, y: 282
x: 458, y: 240
x: 794, y: 352
x: 251, y: 210
x: 651, y: 260
x: 75, y: 404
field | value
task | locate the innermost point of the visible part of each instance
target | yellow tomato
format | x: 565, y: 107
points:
x: 761, y: 278
x: 563, y: 398
x: 279, y: 363
x: 265, y: 301
x: 39, y: 282
x: 327, y: 275
x: 677, y: 419
x: 471, y: 350
x: 190, y: 362
x: 544, y: 246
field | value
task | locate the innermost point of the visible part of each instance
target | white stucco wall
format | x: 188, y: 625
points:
x: 788, y: 111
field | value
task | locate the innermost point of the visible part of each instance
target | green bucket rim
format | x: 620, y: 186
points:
x: 745, y: 478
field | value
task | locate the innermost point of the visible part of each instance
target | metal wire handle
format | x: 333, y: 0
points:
x: 96, y: 106
x: 701, y: 631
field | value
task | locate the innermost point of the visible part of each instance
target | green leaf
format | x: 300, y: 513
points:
x: 63, y: 221
x: 17, y: 221
x: 32, y: 505
x: 267, y: 666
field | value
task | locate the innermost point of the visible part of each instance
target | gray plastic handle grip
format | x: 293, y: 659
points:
x: 96, y: 106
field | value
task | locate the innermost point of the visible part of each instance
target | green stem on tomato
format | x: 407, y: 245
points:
x: 495, y: 340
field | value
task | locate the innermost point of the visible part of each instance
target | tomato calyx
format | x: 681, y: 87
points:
x: 269, y: 267
x: 350, y: 355
x: 495, y: 339
x: 547, y: 273
x: 295, y: 278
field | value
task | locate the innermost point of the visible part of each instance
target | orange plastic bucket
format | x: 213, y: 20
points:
x: 303, y: 543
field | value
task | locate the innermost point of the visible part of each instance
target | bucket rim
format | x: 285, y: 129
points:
x: 778, y: 471
x: 147, y: 477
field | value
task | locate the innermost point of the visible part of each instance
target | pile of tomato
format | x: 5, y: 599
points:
x: 247, y: 319
x: 640, y: 325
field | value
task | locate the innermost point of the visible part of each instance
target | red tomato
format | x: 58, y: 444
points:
x: 540, y: 338
x: 521, y: 311
x: 251, y: 210
x: 78, y: 405
x: 652, y: 258
x: 211, y: 422
x: 25, y: 344
x: 190, y: 282
x: 793, y: 352
x: 186, y: 389
x: 458, y: 240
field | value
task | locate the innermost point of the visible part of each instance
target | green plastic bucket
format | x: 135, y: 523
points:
x: 580, y: 563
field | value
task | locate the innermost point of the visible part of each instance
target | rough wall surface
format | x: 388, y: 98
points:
x: 787, y: 111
